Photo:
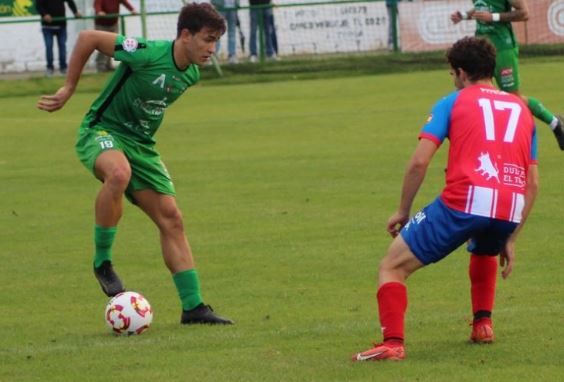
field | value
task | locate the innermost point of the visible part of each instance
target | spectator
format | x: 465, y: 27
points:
x: 228, y: 9
x: 108, y: 24
x: 53, y: 25
x: 261, y: 15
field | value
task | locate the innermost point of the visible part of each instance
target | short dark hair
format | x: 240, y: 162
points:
x: 475, y: 55
x: 194, y: 17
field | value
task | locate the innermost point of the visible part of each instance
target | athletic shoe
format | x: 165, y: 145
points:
x: 108, y: 279
x: 380, y: 352
x: 273, y: 57
x: 253, y: 59
x: 559, y: 132
x: 203, y: 314
x: 482, y: 332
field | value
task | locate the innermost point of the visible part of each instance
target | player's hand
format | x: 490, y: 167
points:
x: 483, y: 16
x: 78, y: 15
x: 47, y: 18
x: 456, y: 17
x: 507, y: 258
x: 56, y: 101
x: 396, y: 223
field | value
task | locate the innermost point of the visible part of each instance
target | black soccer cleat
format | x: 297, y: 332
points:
x: 203, y: 314
x: 108, y: 279
x: 559, y: 132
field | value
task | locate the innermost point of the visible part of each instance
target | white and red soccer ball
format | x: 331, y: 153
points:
x: 129, y: 313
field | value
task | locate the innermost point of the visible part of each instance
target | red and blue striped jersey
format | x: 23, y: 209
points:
x: 492, y: 143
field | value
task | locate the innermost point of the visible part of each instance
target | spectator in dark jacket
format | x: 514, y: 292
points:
x: 108, y: 24
x: 52, y: 25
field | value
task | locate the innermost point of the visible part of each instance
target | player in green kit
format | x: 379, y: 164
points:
x: 116, y: 141
x: 494, y: 19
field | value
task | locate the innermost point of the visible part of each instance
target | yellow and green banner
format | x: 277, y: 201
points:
x: 17, y: 8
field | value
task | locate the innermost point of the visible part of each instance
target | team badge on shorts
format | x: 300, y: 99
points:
x: 130, y: 45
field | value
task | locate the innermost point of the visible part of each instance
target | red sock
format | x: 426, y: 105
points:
x: 483, y: 277
x: 392, y: 304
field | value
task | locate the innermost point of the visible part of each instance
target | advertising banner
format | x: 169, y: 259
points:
x: 10, y: 8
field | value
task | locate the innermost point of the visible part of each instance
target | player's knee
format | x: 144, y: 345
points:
x: 171, y: 219
x: 118, y: 177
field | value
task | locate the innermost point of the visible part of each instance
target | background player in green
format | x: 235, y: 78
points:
x: 494, y: 19
x: 115, y: 141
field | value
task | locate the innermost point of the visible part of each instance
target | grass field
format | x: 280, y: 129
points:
x: 286, y: 188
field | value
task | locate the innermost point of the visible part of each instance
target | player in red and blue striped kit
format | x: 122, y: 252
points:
x: 491, y: 184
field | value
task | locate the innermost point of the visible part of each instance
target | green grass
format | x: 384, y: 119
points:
x: 285, y: 188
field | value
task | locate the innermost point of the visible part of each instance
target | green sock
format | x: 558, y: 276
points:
x: 103, y: 239
x: 539, y: 111
x: 188, y: 286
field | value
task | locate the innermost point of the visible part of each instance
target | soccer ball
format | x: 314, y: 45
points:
x: 128, y: 313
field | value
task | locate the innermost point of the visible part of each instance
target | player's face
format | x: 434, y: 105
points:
x: 456, y: 77
x: 201, y: 46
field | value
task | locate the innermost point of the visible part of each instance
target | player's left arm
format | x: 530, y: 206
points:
x: 519, y: 12
x: 507, y: 255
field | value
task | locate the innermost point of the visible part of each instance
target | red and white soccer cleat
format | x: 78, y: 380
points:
x: 380, y: 352
x: 482, y: 331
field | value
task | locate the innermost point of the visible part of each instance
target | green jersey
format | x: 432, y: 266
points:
x: 499, y: 33
x: 146, y: 82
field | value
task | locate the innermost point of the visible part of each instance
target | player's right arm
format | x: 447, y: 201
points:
x: 412, y: 180
x: 519, y: 12
x: 432, y: 135
x: 88, y: 41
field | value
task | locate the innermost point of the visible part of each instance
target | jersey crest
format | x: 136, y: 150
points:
x: 130, y: 45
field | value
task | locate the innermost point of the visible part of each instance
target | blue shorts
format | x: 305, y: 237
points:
x: 437, y: 230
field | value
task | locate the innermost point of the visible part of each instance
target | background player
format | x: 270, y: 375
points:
x: 494, y: 19
x: 491, y: 184
x: 116, y: 143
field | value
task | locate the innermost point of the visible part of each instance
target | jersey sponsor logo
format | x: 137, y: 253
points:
x: 130, y: 44
x: 418, y: 218
x: 482, y: 5
x: 160, y: 81
x: 506, y: 72
x: 514, y: 175
x: 487, y: 168
x: 151, y: 107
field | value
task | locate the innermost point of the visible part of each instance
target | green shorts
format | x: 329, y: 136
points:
x: 147, y: 169
x: 507, y: 70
